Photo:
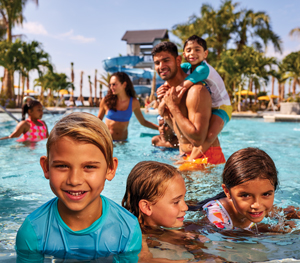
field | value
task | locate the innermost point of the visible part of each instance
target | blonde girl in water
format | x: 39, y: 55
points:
x: 33, y: 129
x: 118, y: 105
x: 155, y: 194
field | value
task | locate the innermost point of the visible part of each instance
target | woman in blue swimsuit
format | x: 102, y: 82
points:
x: 118, y: 105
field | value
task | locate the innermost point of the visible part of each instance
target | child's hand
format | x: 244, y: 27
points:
x: 181, y: 90
x: 172, y: 97
x: 162, y: 90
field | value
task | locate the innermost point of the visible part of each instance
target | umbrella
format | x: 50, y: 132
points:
x: 274, y: 96
x: 245, y: 92
x: 30, y: 91
x: 263, y: 98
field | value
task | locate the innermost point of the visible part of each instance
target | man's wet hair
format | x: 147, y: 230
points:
x: 165, y: 46
x: 199, y: 40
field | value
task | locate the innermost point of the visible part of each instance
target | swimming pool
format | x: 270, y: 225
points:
x: 24, y: 188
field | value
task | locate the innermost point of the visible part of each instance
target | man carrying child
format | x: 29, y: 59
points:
x: 187, y: 110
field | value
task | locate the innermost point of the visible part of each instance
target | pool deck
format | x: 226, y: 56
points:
x: 268, y: 116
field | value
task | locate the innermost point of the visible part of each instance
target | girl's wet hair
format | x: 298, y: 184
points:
x: 29, y: 106
x: 147, y: 180
x: 111, y: 99
x: 242, y: 166
x: 249, y: 164
x: 83, y: 127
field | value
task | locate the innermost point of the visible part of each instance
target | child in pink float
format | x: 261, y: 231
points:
x: 33, y: 129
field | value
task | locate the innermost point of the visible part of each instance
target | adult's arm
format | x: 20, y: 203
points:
x: 102, y: 110
x: 198, y: 103
x: 139, y: 115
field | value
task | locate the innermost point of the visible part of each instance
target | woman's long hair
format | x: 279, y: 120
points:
x: 111, y: 99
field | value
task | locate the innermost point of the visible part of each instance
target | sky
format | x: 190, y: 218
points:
x: 87, y: 32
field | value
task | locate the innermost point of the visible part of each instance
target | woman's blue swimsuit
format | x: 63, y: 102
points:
x: 120, y: 115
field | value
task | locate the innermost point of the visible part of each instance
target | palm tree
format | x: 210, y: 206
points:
x: 259, y: 24
x: 295, y: 31
x: 80, y: 98
x: 54, y: 82
x: 292, y: 66
x: 95, y: 83
x: 34, y: 58
x: 218, y: 27
x: 215, y: 25
x: 104, y: 79
x: 10, y: 54
x: 91, y: 91
x: 72, y: 80
x: 11, y: 12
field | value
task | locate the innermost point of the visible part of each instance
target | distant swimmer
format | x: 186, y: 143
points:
x: 118, y: 105
x: 166, y: 137
x: 33, y: 129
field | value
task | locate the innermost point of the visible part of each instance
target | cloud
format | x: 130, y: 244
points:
x: 34, y: 28
x: 77, y: 38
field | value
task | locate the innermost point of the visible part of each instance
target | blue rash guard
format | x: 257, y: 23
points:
x: 44, y: 233
x: 120, y: 115
x: 220, y: 99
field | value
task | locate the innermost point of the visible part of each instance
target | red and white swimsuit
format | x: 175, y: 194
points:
x: 35, y: 133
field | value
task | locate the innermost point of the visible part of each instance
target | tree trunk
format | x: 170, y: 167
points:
x: 95, y: 84
x: 8, y: 90
x: 23, y: 86
x: 91, y: 95
x: 80, y: 96
x: 2, y: 86
x: 294, y: 86
x: 27, y: 82
x: 273, y: 81
x: 72, y: 80
x: 250, y: 89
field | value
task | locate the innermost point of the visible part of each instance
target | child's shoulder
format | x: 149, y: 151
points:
x: 43, y: 210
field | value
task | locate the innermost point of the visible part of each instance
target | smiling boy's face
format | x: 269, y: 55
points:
x: 77, y: 172
x: 194, y: 53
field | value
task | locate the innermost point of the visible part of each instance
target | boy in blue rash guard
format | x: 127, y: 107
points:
x: 79, y: 223
x: 195, y: 52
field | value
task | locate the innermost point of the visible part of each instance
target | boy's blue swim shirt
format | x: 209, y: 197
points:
x: 44, y: 233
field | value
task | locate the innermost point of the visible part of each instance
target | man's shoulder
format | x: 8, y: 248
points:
x: 198, y: 88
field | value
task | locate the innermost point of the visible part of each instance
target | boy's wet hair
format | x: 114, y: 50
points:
x: 199, y: 40
x: 249, y: 164
x: 83, y: 127
x: 29, y: 106
x: 147, y: 180
x: 165, y: 46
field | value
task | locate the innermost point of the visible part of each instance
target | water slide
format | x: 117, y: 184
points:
x: 126, y: 64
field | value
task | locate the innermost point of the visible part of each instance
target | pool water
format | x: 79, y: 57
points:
x: 23, y: 187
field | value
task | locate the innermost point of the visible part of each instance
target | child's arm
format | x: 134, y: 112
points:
x: 200, y: 73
